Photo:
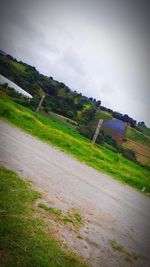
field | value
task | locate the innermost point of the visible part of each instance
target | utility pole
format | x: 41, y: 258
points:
x: 40, y: 103
x: 99, y: 125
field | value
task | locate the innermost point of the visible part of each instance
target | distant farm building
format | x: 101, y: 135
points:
x: 4, y: 80
x: 116, y: 129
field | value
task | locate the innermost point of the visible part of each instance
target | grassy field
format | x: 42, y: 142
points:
x: 142, y: 152
x: 139, y: 142
x: 18, y: 66
x: 76, y: 145
x: 25, y: 241
x: 135, y: 135
x: 144, y: 130
x: 62, y: 120
x: 105, y: 116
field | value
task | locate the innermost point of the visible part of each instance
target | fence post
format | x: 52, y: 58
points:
x: 99, y: 125
x: 40, y: 103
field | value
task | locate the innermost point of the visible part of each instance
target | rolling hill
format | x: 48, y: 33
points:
x: 75, y: 111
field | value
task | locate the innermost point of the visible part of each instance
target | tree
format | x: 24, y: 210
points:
x: 142, y: 124
x: 86, y: 115
x: 129, y: 154
x: 98, y: 103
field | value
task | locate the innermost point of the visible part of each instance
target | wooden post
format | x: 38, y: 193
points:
x: 99, y: 125
x: 40, y: 103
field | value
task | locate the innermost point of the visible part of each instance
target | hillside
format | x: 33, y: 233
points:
x: 115, y: 128
x: 59, y: 97
x: 75, y: 111
x: 139, y: 142
x: 4, y: 80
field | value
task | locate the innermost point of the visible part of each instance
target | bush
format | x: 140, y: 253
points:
x: 5, y: 113
x: 85, y: 131
x: 129, y: 154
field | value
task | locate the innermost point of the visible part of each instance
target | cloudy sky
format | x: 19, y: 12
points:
x: 98, y: 47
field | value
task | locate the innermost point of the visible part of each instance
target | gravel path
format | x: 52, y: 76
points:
x: 111, y: 210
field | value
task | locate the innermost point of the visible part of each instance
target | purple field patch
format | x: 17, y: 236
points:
x: 117, y: 125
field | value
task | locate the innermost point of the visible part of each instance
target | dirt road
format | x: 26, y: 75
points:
x: 111, y: 210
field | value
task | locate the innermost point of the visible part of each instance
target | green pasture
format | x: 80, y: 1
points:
x: 76, y: 145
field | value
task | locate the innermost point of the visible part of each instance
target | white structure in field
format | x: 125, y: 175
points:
x: 11, y: 84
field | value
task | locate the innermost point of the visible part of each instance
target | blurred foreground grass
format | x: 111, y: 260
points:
x: 25, y: 241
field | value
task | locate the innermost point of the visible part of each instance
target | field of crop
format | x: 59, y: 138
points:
x: 76, y: 145
x: 26, y: 239
x: 116, y: 129
x: 139, y: 142
x: 135, y: 135
x: 117, y: 125
x: 142, y: 152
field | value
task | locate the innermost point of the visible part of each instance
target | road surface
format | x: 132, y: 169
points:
x: 112, y: 211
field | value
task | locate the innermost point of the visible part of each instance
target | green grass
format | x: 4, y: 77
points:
x: 18, y: 66
x: 144, y: 130
x: 62, y: 120
x: 105, y: 115
x: 73, y: 216
x: 51, y: 210
x: 114, y: 244
x: 24, y: 240
x: 129, y: 256
x: 137, y: 136
x: 76, y: 145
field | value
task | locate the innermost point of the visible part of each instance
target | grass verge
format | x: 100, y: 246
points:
x: 73, y: 216
x: 24, y: 242
x: 129, y: 256
x: 62, y: 120
x: 74, y: 144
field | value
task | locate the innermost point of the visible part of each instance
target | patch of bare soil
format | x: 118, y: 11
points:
x: 89, y: 240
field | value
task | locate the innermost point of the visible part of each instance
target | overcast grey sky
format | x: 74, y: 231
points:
x: 98, y: 47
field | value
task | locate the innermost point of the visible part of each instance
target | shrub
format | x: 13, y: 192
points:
x: 129, y: 154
